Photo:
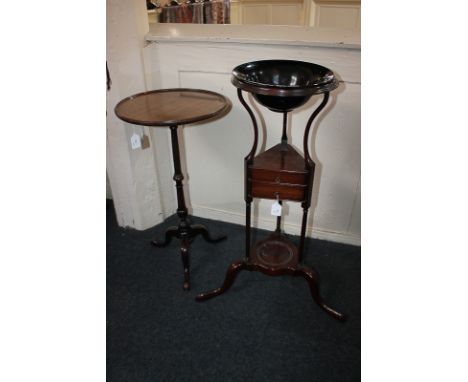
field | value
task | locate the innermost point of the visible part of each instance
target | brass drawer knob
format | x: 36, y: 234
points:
x: 278, y: 180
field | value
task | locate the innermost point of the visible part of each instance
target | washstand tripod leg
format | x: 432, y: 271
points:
x: 231, y: 275
x: 311, y: 279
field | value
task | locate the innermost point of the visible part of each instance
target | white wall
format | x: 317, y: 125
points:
x: 215, y: 151
x: 336, y: 13
x: 141, y: 180
x: 141, y: 200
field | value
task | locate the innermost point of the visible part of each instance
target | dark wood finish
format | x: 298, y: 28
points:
x: 275, y: 252
x: 282, y: 191
x: 252, y: 151
x: 303, y: 271
x: 173, y: 107
x: 305, y: 209
x: 274, y: 256
x: 184, y: 248
x: 279, y: 176
x: 169, y: 107
x: 247, y: 228
x: 284, y: 136
x: 283, y: 85
x: 307, y: 157
x: 278, y: 219
x: 288, y: 75
x: 279, y: 173
x: 281, y: 158
x: 178, y: 177
x: 247, y: 184
x: 283, y: 91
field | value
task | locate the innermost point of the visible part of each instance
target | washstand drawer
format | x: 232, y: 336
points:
x: 279, y: 177
x: 269, y: 190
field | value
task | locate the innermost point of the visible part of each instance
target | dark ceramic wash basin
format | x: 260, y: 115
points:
x: 283, y: 85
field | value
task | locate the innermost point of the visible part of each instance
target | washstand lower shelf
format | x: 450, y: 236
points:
x: 274, y: 256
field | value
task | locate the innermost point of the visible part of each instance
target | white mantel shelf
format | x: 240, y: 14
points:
x: 255, y: 34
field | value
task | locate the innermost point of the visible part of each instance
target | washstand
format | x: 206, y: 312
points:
x: 280, y: 173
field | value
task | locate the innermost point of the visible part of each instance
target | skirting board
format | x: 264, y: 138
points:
x: 262, y: 223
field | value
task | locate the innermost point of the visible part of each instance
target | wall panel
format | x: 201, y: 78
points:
x: 214, y: 151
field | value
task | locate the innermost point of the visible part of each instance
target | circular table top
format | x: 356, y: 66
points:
x: 170, y: 107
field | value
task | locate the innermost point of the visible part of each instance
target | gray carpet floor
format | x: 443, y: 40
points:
x: 263, y: 329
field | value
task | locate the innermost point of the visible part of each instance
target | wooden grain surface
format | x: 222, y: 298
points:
x: 168, y: 107
x: 280, y: 158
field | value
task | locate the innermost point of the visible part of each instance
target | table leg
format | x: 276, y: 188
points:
x: 184, y: 247
x: 178, y: 177
x: 185, y: 231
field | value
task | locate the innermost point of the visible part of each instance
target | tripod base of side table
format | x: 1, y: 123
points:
x: 186, y: 233
x: 274, y: 256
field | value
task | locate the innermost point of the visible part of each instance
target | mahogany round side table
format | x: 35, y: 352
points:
x: 172, y: 108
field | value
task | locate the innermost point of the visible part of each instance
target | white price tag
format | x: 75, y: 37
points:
x: 276, y: 209
x: 135, y: 140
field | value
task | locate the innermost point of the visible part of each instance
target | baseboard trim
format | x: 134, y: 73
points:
x: 269, y: 224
